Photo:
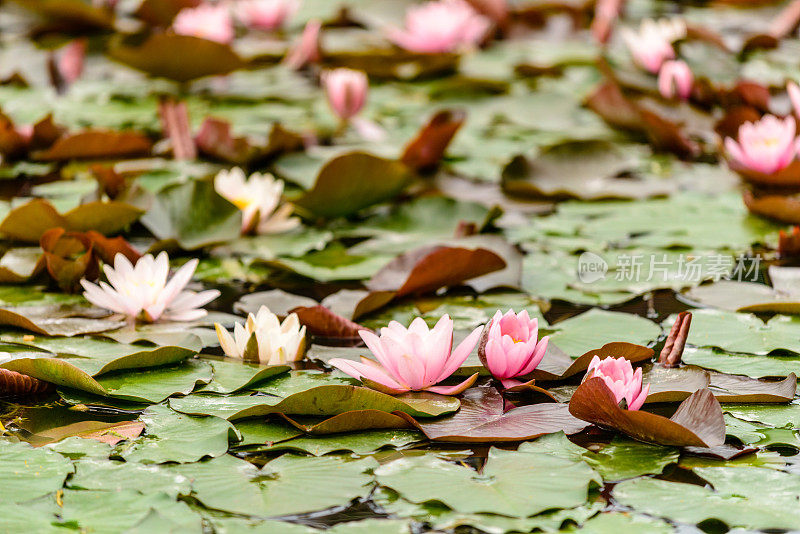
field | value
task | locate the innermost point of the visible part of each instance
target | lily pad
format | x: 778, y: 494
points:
x: 29, y: 221
x: 596, y: 327
x: 174, y: 437
x: 514, y: 484
x: 29, y: 473
x: 353, y: 181
x: 319, y: 400
x: 697, y: 422
x: 482, y: 419
x: 287, y: 485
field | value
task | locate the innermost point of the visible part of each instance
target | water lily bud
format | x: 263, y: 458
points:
x: 766, y: 146
x: 412, y: 359
x: 675, y: 80
x: 264, y: 338
x: 510, y: 345
x: 346, y: 90
x: 621, y: 379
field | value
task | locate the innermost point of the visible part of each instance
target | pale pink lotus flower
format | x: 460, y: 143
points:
x: 766, y: 146
x: 346, y: 90
x: 621, y: 379
x: 510, y: 345
x: 652, y: 44
x: 794, y: 95
x: 307, y: 50
x: 70, y: 60
x: 412, y: 359
x: 258, y: 197
x: 212, y: 22
x: 276, y: 343
x: 440, y: 26
x: 675, y: 80
x: 265, y: 14
x: 142, y: 291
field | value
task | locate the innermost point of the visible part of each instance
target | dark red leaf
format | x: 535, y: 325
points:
x: 697, y: 422
x: 426, y: 150
x: 481, y: 419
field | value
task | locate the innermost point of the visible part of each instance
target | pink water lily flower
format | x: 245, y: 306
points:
x: 652, y: 44
x: 265, y: 14
x: 346, y: 90
x: 142, y: 291
x: 440, y: 26
x: 510, y: 345
x: 412, y: 359
x: 675, y: 79
x: 621, y: 379
x: 766, y: 146
x: 212, y: 22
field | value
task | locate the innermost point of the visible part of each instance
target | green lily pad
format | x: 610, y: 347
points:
x: 193, y: 215
x: 746, y: 497
x: 596, y: 327
x: 742, y: 364
x: 175, y: 437
x: 29, y: 473
x: 320, y: 400
x: 514, y: 484
x: 742, y: 332
x: 287, y: 485
x: 232, y: 376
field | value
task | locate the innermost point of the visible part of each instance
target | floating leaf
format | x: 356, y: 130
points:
x: 558, y: 365
x: 743, y: 297
x: 482, y: 419
x: 96, y: 144
x: 232, y: 376
x: 189, y: 58
x: 287, y: 485
x: 514, y: 484
x: 428, y: 147
x: 320, y: 400
x: 741, y: 332
x: 29, y: 473
x: 192, y: 214
x: 595, y: 327
x: 425, y: 270
x: 353, y: 181
x: 697, y: 422
x: 174, y: 437
x: 747, y: 497
x: 29, y: 221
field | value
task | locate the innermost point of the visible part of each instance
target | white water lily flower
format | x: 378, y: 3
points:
x: 275, y: 343
x: 258, y: 197
x: 142, y: 291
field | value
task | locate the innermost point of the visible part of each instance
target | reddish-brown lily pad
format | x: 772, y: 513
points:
x: 482, y: 419
x: 31, y: 220
x: 425, y: 270
x: 735, y: 388
x: 426, y: 150
x: 772, y: 205
x: 320, y: 321
x: 96, y: 144
x: 698, y: 421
